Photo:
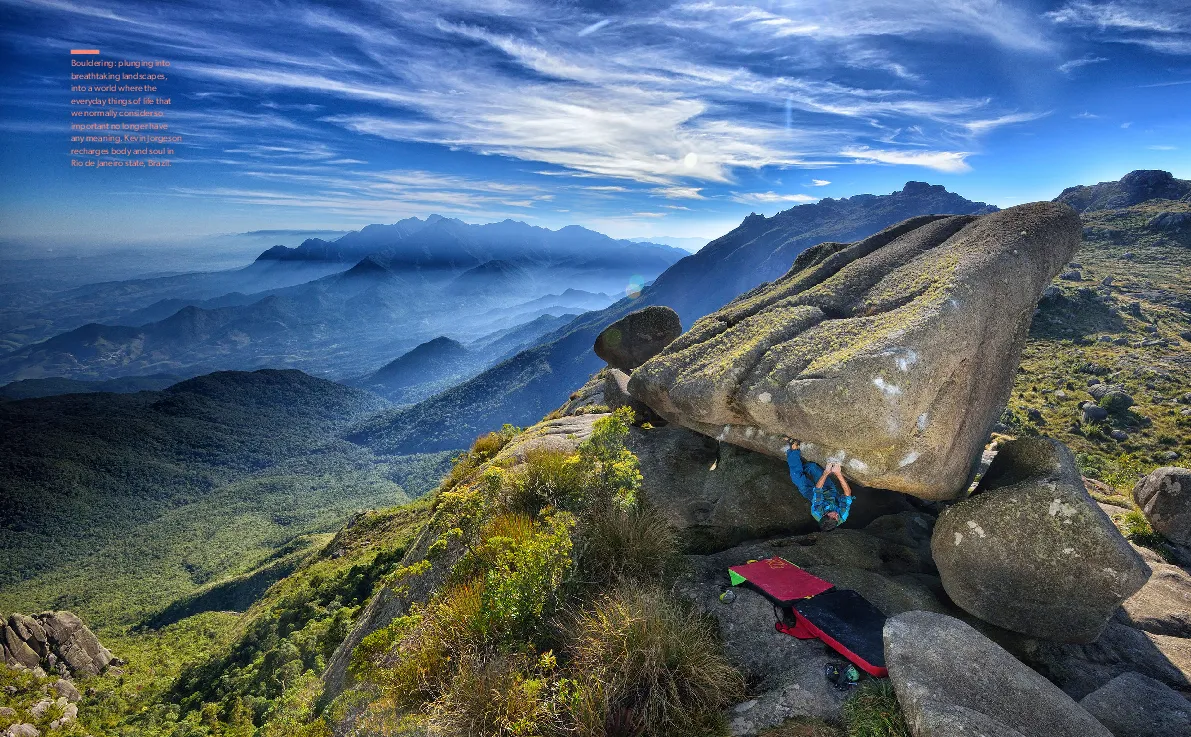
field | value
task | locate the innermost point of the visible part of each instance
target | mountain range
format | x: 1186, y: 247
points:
x: 526, y: 386
x: 377, y: 293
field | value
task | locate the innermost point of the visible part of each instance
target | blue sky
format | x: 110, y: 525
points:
x: 633, y: 118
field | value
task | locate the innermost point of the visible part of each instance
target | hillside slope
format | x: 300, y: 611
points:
x: 81, y: 469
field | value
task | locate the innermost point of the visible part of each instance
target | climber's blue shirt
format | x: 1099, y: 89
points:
x: 828, y: 499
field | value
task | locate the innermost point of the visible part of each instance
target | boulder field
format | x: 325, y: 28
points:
x: 893, y: 355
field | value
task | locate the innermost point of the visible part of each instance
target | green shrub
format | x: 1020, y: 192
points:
x: 548, y: 478
x: 873, y: 711
x: 1136, y: 527
x: 646, y: 654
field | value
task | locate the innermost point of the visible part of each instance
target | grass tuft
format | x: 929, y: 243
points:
x: 874, y: 712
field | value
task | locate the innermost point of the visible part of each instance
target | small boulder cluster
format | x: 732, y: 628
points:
x: 57, y: 642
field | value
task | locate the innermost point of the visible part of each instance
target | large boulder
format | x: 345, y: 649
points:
x: 893, y: 355
x: 1132, y: 705
x: 1165, y: 499
x: 637, y: 337
x: 951, y: 680
x: 1032, y: 552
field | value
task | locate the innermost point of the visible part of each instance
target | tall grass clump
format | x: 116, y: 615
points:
x: 651, y: 664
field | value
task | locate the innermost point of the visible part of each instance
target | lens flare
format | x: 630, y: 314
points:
x: 636, y: 284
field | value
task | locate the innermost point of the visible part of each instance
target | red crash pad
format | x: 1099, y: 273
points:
x: 779, y: 579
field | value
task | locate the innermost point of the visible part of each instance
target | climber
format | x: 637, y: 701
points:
x: 829, y: 506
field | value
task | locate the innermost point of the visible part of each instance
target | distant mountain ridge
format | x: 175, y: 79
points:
x: 527, y: 386
x: 447, y: 243
x: 397, y: 286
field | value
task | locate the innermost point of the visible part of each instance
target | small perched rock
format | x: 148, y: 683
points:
x: 1132, y: 705
x: 22, y: 730
x: 1099, y: 389
x: 1127, y: 255
x: 1034, y: 415
x: 951, y: 680
x: 1164, y: 497
x: 1060, y: 395
x: 1032, y: 552
x: 1094, y: 413
x: 1106, y: 281
x: 637, y: 337
x: 1119, y: 435
x: 39, y: 709
x: 1071, y: 275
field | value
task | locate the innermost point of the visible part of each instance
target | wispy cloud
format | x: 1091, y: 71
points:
x: 819, y: 182
x: 1069, y: 66
x: 1162, y: 26
x: 947, y: 161
x: 768, y: 198
x: 990, y: 124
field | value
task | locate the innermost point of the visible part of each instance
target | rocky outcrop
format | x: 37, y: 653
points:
x: 951, y: 680
x: 1132, y: 705
x: 893, y: 355
x: 718, y: 495
x: 1032, y: 552
x: 1132, y: 189
x: 637, y: 337
x: 57, y: 640
x: 1171, y: 222
x: 1165, y: 499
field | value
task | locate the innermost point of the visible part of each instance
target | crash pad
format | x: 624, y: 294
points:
x: 778, y: 579
x: 847, y: 623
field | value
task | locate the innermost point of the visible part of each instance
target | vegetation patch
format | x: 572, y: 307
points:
x: 556, y: 618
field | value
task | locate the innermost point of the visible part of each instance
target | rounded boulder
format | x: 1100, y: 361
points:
x: 1032, y: 552
x: 638, y: 336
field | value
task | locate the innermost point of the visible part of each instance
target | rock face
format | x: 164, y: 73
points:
x: 951, y: 680
x: 718, y: 495
x: 1132, y: 705
x: 53, y: 638
x: 1032, y: 552
x: 616, y: 396
x: 1165, y: 498
x: 893, y: 355
x: 637, y: 337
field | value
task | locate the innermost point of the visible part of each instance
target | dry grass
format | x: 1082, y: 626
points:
x: 651, y: 665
